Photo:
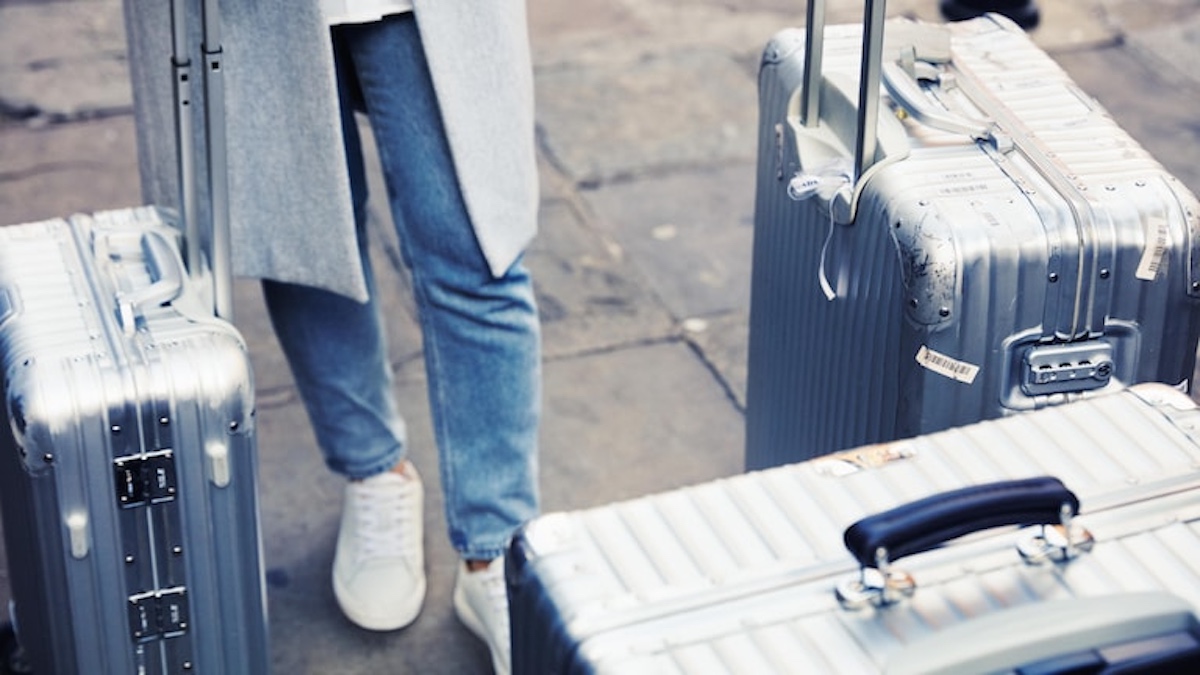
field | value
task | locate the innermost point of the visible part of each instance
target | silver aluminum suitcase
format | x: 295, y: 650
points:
x: 128, y: 475
x: 755, y: 574
x: 127, y: 465
x: 994, y: 243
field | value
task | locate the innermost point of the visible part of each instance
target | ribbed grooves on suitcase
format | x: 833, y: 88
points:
x: 1120, y: 179
x: 49, y: 290
x: 808, y: 394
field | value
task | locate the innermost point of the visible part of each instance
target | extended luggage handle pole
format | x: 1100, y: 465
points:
x: 868, y: 88
x: 211, y: 247
x: 218, y: 167
x: 869, y: 78
x: 814, y: 50
x: 181, y: 69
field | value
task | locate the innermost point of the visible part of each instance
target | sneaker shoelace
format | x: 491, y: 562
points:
x: 383, y: 520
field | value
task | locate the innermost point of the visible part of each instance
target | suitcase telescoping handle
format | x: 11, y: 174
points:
x: 901, y: 85
x: 927, y: 523
x: 868, y: 90
x: 207, y: 249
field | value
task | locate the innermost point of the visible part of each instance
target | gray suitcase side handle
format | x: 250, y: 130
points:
x: 167, y: 272
x: 928, y: 523
x: 905, y: 90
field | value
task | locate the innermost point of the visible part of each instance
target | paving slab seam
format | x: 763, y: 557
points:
x: 609, y: 349
x: 714, y: 370
x: 47, y: 168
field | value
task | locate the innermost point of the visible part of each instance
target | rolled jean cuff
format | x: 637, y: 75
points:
x: 485, y: 554
x: 364, y: 471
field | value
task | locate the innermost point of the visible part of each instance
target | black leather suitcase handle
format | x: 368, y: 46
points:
x: 927, y: 523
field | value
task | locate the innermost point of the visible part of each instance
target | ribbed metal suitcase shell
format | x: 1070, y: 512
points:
x: 738, y: 575
x: 129, y: 479
x: 967, y: 287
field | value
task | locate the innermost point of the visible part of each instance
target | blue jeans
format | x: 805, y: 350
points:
x: 481, y: 334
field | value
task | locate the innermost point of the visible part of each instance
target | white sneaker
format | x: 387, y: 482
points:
x: 379, y: 566
x: 481, y: 602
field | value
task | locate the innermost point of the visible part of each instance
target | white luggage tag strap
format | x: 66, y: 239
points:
x: 824, y: 183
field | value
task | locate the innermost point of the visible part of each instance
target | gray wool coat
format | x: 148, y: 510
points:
x: 290, y: 211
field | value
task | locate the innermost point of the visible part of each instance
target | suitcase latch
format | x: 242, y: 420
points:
x: 158, y: 614
x: 145, y: 479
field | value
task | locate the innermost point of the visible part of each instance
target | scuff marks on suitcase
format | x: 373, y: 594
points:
x: 929, y: 266
x: 16, y: 415
x: 27, y: 434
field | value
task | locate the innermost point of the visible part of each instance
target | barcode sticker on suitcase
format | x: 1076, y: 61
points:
x: 1157, y: 240
x: 945, y: 365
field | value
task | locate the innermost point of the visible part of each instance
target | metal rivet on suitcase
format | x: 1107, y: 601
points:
x: 1056, y: 543
x: 878, y: 586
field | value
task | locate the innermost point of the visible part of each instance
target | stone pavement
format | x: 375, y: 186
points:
x: 646, y: 116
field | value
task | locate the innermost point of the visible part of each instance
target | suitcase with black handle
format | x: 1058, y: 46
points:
x: 1068, y: 533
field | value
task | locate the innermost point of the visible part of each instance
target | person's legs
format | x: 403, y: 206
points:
x: 481, y: 334
x: 337, y: 353
x: 342, y: 373
x: 338, y: 356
